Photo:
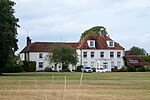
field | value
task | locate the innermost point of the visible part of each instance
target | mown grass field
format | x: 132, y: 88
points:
x: 66, y: 86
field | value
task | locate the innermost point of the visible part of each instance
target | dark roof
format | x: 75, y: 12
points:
x: 100, y: 43
x: 129, y: 52
x: 45, y: 46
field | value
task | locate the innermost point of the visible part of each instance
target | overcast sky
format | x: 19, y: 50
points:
x: 126, y: 21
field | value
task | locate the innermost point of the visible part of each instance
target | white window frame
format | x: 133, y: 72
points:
x: 92, y: 54
x: 102, y: 52
x: 41, y: 64
x: 110, y: 43
x: 91, y: 42
x: 118, y: 54
x: 92, y: 64
x: 119, y: 64
x: 85, y: 63
x: 40, y: 55
x: 105, y: 65
x: 110, y: 54
x: 85, y: 52
x: 112, y: 64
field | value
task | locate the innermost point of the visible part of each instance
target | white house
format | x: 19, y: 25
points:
x: 94, y: 51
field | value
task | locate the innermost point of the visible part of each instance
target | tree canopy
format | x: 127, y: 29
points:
x: 139, y: 51
x: 8, y: 32
x: 64, y: 54
x: 94, y: 30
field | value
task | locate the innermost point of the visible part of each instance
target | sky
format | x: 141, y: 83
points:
x: 126, y: 21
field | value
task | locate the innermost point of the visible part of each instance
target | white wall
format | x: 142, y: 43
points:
x: 98, y: 60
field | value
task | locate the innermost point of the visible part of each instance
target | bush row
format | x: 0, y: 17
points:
x: 131, y: 69
x: 12, y: 69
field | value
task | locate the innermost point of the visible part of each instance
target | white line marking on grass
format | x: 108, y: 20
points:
x: 36, y: 85
x: 81, y: 80
x: 65, y: 85
x: 45, y: 97
x: 52, y: 79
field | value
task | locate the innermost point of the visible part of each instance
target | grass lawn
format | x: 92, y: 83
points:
x: 66, y: 86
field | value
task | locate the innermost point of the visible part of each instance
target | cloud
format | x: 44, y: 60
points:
x: 126, y: 21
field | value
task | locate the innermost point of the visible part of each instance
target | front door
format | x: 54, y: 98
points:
x: 105, y: 65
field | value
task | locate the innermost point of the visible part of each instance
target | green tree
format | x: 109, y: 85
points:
x: 64, y: 54
x: 145, y: 58
x: 8, y: 32
x: 94, y: 30
x: 139, y: 51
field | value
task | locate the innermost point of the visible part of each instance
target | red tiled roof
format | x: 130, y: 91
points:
x: 100, y: 43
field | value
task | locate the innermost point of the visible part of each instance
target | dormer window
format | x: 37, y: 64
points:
x: 110, y: 43
x: 91, y: 43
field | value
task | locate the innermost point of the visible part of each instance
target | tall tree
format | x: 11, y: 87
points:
x: 139, y: 51
x: 64, y: 54
x: 94, y: 30
x: 8, y: 32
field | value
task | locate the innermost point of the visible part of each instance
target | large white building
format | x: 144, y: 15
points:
x: 94, y: 51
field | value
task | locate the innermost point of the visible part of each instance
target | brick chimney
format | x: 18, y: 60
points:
x: 28, y: 41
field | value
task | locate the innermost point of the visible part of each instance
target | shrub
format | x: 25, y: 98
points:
x: 79, y: 68
x: 140, y: 69
x: 131, y: 69
x: 48, y: 69
x: 147, y: 68
x: 30, y: 66
x: 123, y: 69
x: 115, y: 69
x: 94, y: 69
x: 145, y: 58
x: 12, y: 69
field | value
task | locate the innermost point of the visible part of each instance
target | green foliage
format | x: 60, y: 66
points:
x: 8, y: 32
x: 140, y: 69
x: 125, y: 60
x: 29, y: 66
x: 115, y: 69
x: 12, y: 69
x: 123, y: 69
x: 64, y: 54
x: 93, y: 30
x: 94, y: 69
x: 48, y: 69
x: 147, y: 68
x: 131, y: 69
x: 79, y: 68
x: 139, y: 51
x: 145, y: 58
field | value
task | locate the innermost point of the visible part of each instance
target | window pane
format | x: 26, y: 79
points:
x: 102, y: 54
x: 91, y: 43
x: 118, y: 54
x: 92, y: 64
x: 92, y: 54
x: 111, y: 54
x: 85, y: 54
x: 40, y: 55
x: 119, y: 64
x: 111, y: 43
x: 40, y: 64
x: 85, y: 64
x: 112, y: 64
